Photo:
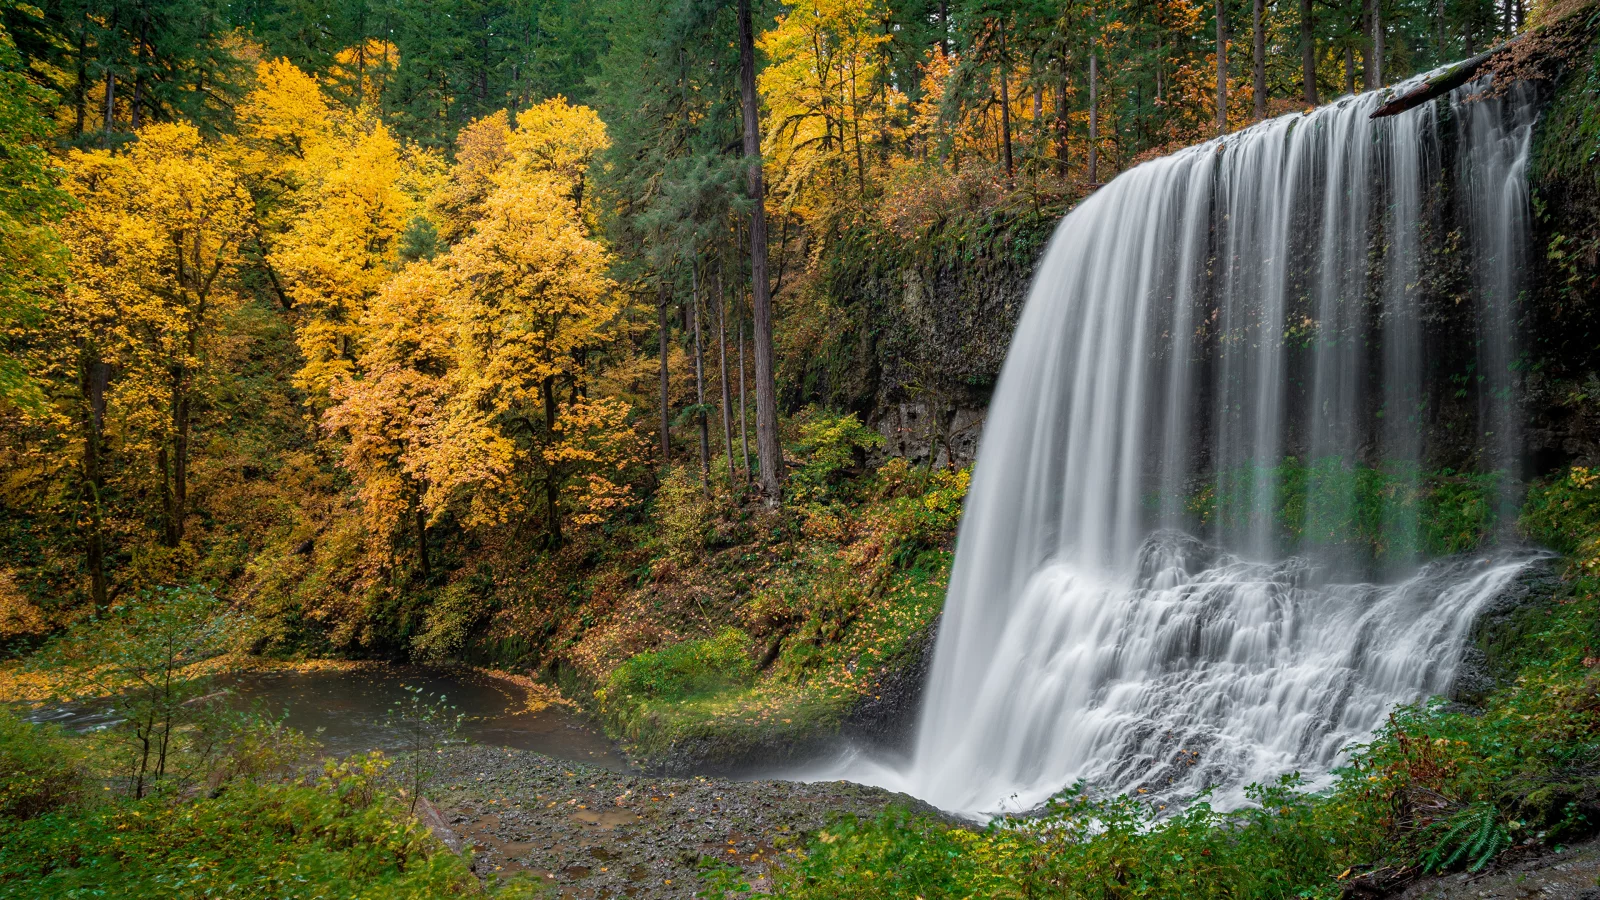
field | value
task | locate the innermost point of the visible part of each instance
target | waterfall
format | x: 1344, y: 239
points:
x: 1134, y: 602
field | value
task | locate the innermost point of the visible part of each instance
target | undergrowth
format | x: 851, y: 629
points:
x: 68, y: 830
x: 793, y: 617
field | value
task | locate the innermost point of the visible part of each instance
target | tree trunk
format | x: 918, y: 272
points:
x: 1063, y: 123
x: 97, y: 378
x: 80, y: 89
x: 700, y: 379
x: 1161, y: 65
x: 722, y: 363
x: 1440, y: 83
x: 111, y: 101
x: 172, y: 460
x: 180, y: 456
x: 1094, y: 115
x: 552, y: 485
x: 1005, y: 105
x: 1222, y: 68
x: 1308, y: 53
x: 768, y: 449
x: 422, y: 537
x: 137, y: 97
x: 1377, y: 43
x: 1259, y: 80
x: 1349, y: 69
x: 744, y: 428
x: 1369, y: 30
x: 662, y: 339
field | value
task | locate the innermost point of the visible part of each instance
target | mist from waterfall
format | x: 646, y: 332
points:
x: 1128, y: 605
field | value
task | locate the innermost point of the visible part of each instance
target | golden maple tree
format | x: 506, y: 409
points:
x: 154, y: 236
x: 832, y: 111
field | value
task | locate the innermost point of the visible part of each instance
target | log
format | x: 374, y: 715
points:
x: 1441, y: 83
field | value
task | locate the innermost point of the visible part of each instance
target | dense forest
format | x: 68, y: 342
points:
x: 326, y: 302
x: 554, y: 337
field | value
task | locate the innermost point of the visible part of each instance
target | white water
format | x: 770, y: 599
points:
x: 1192, y: 323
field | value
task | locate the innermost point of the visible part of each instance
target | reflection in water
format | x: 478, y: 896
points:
x: 346, y: 711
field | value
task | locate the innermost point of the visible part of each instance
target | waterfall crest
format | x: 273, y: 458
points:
x: 1193, y: 324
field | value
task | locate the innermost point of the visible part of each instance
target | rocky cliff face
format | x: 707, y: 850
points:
x: 916, y: 331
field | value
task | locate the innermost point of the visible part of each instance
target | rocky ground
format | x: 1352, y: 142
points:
x: 1573, y: 874
x: 596, y: 834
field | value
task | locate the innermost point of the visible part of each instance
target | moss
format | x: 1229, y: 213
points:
x: 685, y: 671
x: 1386, y: 513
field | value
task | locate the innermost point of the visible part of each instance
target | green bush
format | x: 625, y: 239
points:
x: 1564, y: 515
x: 140, y: 658
x: 1285, y: 845
x: 1458, y: 511
x: 39, y: 769
x: 828, y: 446
x: 688, y: 669
x: 339, y: 838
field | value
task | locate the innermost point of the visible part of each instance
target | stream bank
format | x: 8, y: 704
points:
x: 593, y: 833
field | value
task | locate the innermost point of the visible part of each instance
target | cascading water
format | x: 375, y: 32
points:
x: 1228, y: 341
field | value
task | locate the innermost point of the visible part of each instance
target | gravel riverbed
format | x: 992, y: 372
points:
x: 593, y: 833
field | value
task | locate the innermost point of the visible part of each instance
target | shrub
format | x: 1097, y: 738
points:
x: 829, y: 445
x: 39, y: 770
x: 686, y: 669
x: 1287, y: 844
x: 1564, y: 515
x: 342, y: 837
x: 1458, y: 511
x: 456, y: 612
x: 682, y: 513
x: 141, y: 658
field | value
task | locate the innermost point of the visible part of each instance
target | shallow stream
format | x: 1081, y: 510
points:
x: 347, y: 711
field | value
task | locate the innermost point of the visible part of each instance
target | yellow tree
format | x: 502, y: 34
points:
x: 531, y: 305
x: 333, y: 199
x: 360, y: 75
x: 386, y: 413
x: 153, y: 238
x: 482, y: 148
x: 833, y: 112
x: 280, y: 122
x: 342, y: 246
x: 558, y: 141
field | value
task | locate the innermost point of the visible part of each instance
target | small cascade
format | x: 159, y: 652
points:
x: 1227, y: 354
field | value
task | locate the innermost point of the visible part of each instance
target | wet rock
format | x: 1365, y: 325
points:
x: 886, y: 718
x: 1504, y: 623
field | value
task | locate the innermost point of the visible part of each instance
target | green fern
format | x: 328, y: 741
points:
x: 1474, y: 834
